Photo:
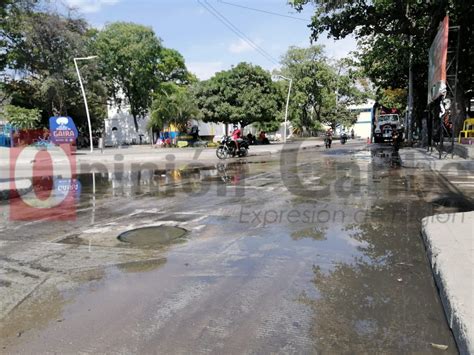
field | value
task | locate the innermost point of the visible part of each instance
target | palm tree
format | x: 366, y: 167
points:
x: 172, y: 104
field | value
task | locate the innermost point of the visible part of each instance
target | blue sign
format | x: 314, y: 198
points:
x: 63, y: 130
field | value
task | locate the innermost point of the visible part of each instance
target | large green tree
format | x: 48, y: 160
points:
x: 244, y: 94
x: 129, y: 60
x: 38, y: 69
x: 322, y: 89
x: 172, y: 103
x: 389, y: 31
x: 135, y: 64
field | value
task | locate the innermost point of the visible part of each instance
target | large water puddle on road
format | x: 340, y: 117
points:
x: 265, y: 269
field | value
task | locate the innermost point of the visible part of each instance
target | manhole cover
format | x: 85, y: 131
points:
x: 155, y: 236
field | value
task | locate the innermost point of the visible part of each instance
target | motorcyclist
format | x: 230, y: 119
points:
x: 343, y: 137
x: 236, y: 136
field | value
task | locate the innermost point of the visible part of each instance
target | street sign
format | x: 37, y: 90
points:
x: 63, y: 130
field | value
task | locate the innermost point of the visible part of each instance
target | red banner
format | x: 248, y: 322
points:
x: 437, y: 62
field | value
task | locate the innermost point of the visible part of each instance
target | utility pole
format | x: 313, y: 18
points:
x: 410, y: 95
x: 85, y: 98
x: 410, y: 77
x: 286, y: 109
x: 287, y: 104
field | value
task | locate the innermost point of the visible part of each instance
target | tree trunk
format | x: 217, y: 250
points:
x: 135, y: 122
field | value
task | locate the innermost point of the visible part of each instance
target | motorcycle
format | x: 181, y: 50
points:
x: 343, y: 138
x: 228, y: 148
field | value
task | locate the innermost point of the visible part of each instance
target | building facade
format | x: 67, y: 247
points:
x: 119, y: 128
x: 363, y: 127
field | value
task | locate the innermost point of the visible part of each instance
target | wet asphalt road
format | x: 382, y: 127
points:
x: 311, y: 252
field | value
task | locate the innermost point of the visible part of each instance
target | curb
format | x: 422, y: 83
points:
x: 452, y: 303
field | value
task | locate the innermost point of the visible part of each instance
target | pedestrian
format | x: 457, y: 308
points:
x: 262, y: 137
x: 328, y: 138
x: 194, y: 133
x: 251, y: 138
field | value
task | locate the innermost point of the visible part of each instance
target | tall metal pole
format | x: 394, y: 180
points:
x: 410, y: 75
x: 286, y: 110
x: 455, y: 117
x: 287, y: 102
x: 410, y: 95
x: 85, y: 98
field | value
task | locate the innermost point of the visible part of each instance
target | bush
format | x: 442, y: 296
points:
x: 23, y: 118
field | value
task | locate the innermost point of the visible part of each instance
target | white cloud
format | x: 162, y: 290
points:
x: 204, y: 70
x: 241, y: 46
x: 89, y: 6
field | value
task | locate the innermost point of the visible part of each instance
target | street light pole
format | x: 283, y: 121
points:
x: 85, y: 99
x: 287, y: 103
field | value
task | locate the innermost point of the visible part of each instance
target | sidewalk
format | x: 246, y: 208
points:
x: 421, y: 158
x: 449, y: 241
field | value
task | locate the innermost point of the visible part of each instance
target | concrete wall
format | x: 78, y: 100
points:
x: 209, y: 129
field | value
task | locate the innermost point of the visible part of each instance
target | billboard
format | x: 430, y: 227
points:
x: 437, y: 62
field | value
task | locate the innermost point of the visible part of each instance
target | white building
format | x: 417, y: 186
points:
x: 120, y: 128
x: 363, y: 127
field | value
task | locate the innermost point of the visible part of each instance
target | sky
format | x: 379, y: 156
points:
x: 207, y: 44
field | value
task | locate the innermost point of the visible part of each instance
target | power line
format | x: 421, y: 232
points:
x: 263, y: 11
x: 213, y: 11
x: 237, y: 31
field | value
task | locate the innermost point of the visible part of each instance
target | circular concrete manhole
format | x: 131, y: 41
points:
x: 154, y: 236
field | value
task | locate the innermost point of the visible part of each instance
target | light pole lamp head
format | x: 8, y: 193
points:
x: 279, y: 76
x: 87, y: 58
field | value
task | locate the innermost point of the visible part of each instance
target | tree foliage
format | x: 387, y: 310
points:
x: 134, y: 64
x: 11, y: 13
x: 38, y: 69
x: 322, y: 89
x: 172, y: 103
x: 129, y: 57
x: 22, y: 118
x: 389, y: 31
x: 393, y: 98
x: 244, y: 94
x: 172, y: 68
